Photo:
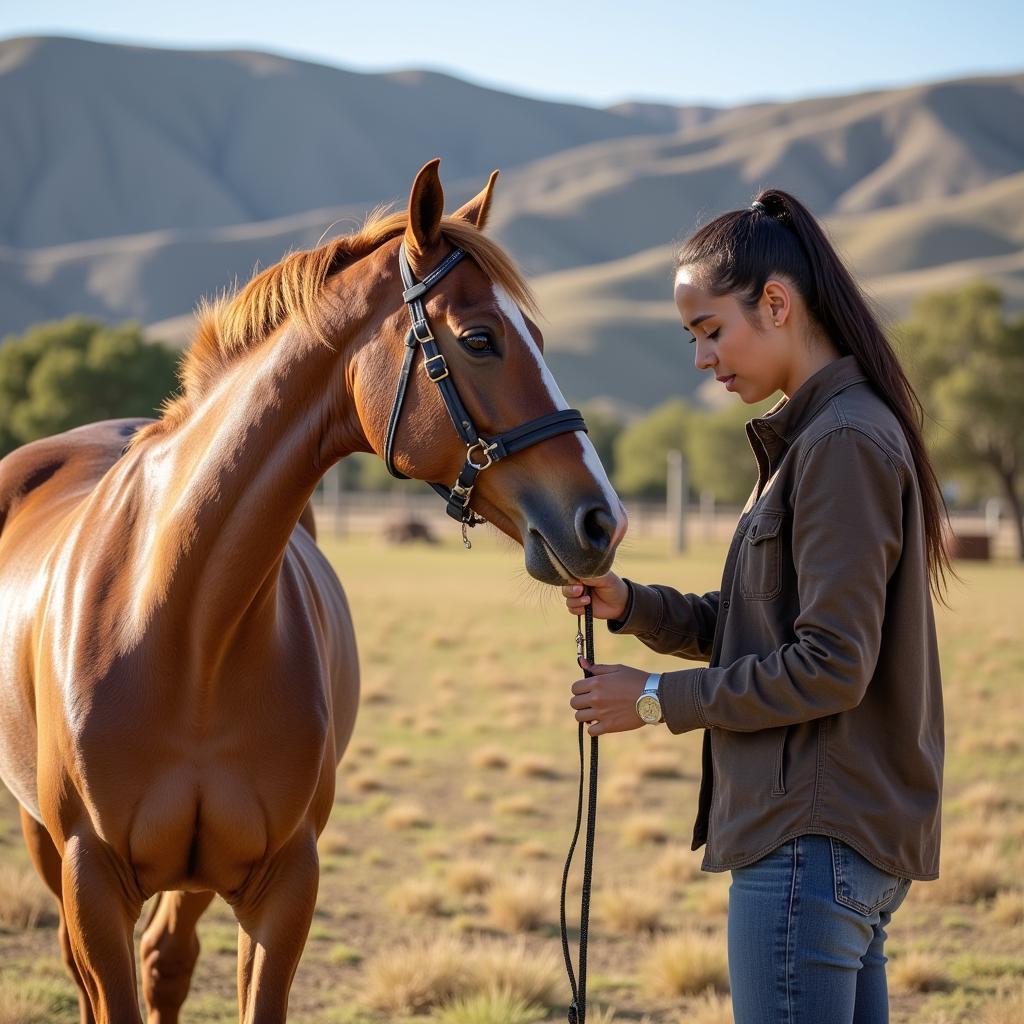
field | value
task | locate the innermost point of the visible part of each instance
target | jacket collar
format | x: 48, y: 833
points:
x: 788, y: 417
x: 772, y: 434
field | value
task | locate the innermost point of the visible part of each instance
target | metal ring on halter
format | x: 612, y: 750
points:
x: 486, y: 449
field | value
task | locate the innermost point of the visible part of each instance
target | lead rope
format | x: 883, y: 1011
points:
x: 578, y: 1006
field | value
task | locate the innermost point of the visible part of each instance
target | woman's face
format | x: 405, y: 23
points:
x: 754, y: 362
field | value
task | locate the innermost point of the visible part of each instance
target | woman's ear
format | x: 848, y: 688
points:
x: 780, y: 301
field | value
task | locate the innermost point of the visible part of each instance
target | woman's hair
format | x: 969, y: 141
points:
x: 777, y: 236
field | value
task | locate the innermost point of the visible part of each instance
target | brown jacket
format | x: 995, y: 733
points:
x: 822, y: 701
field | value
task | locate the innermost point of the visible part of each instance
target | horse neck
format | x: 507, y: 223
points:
x: 232, y: 481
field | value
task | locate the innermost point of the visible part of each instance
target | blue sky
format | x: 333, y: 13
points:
x: 597, y: 52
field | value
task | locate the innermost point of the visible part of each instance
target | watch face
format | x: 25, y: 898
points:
x: 648, y: 707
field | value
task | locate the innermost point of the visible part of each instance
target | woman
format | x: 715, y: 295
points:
x: 821, y: 705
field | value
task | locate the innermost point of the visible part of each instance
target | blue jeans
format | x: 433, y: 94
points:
x: 806, y: 930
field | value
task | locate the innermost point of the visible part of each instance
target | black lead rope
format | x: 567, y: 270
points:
x: 578, y: 1006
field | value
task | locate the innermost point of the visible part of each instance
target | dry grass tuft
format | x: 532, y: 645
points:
x: 476, y: 792
x: 917, y: 972
x: 395, y: 757
x: 535, y: 766
x: 24, y: 901
x: 1006, y: 1008
x: 620, y: 789
x: 988, y: 797
x: 479, y: 833
x: 406, y: 815
x: 363, y: 748
x: 708, y: 1008
x: 375, y: 693
x: 629, y: 911
x: 532, y: 849
x: 418, y: 896
x: 364, y: 782
x: 469, y: 877
x: 658, y: 764
x: 969, y: 875
x: 491, y: 758
x: 1008, y: 908
x: 687, y: 963
x: 428, y: 727
x: 416, y: 978
x: 35, y: 1002
x: 712, y: 901
x: 518, y: 805
x: 677, y: 865
x: 448, y: 971
x: 335, y: 845
x: 534, y: 977
x: 494, y: 1006
x: 436, y: 849
x: 519, y: 904
x: 644, y: 830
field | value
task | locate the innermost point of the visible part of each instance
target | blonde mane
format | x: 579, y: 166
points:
x: 291, y: 290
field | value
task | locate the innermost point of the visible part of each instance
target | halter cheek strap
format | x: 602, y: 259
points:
x: 481, y: 453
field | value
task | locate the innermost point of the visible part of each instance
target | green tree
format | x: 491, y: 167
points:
x: 66, y: 373
x: 718, y: 452
x: 640, y: 450
x: 967, y: 361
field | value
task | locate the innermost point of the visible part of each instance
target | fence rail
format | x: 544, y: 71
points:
x: 360, y: 512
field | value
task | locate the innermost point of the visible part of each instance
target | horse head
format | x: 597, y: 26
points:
x: 469, y: 389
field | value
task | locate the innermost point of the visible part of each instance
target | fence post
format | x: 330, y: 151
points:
x: 676, y: 500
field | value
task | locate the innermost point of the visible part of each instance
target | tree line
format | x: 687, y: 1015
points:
x: 961, y: 349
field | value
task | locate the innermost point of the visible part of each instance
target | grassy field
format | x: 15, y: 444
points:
x: 441, y: 863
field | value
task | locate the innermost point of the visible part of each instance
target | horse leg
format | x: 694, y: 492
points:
x: 274, y: 914
x: 102, y: 904
x: 169, y: 949
x: 47, y: 862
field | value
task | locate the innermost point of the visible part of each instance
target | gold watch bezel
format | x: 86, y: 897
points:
x: 648, y: 701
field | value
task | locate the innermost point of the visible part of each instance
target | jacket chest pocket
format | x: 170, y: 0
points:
x: 761, y: 569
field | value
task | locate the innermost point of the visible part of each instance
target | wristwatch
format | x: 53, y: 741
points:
x: 648, y: 704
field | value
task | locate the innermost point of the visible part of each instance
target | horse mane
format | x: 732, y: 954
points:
x: 239, y: 321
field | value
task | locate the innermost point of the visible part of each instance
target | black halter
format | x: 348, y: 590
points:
x: 486, y: 452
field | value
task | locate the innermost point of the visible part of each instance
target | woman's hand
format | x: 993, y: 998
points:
x: 607, y: 699
x: 608, y: 593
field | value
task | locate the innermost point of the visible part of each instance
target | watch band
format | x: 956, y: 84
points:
x: 653, y: 685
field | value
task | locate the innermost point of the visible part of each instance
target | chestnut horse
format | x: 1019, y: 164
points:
x: 178, y: 670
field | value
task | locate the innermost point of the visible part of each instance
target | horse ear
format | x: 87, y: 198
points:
x: 476, y: 210
x: 426, y: 205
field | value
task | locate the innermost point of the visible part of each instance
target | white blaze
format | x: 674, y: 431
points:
x: 515, y: 317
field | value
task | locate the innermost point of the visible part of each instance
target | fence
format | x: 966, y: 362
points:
x: 361, y: 512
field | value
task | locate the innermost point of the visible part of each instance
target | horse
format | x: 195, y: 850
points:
x: 178, y: 668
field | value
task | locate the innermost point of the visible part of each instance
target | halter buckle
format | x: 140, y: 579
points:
x: 485, y: 450
x: 441, y: 373
x: 426, y: 336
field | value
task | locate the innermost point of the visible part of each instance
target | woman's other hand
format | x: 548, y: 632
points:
x: 608, y: 594
x: 606, y: 700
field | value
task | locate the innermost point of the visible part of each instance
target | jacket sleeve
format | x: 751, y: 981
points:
x: 669, y: 622
x: 847, y: 540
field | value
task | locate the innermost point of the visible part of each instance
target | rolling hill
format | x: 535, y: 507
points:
x: 135, y: 180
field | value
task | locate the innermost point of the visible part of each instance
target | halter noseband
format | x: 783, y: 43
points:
x: 485, y: 452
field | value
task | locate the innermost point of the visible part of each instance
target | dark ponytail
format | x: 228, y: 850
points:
x: 737, y: 252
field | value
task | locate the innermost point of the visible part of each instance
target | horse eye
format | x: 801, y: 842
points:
x: 478, y: 341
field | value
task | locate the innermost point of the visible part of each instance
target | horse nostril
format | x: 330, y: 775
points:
x: 595, y: 528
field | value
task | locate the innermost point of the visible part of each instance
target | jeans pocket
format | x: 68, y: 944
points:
x: 862, y: 886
